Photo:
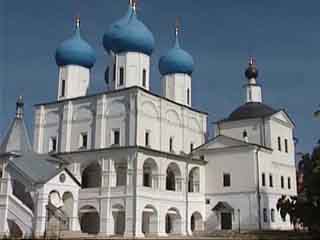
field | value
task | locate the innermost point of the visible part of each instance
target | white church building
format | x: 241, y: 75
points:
x: 131, y: 162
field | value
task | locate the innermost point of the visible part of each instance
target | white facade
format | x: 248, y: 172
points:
x: 138, y: 164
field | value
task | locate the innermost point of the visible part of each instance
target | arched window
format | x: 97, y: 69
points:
x: 194, y: 180
x: 150, y: 170
x: 91, y: 176
x: 173, y: 178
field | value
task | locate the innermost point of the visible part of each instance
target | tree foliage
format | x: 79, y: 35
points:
x: 304, y: 209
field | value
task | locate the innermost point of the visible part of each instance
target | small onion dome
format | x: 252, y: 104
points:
x: 252, y: 71
x: 75, y: 51
x: 129, y: 34
x: 176, y: 60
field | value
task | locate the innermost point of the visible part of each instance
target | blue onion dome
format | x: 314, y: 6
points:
x: 129, y: 34
x: 176, y: 60
x: 76, y: 51
x: 108, y: 36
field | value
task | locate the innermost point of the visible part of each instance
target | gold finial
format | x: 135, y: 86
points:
x: 178, y: 24
x: 134, y: 5
x: 78, y: 21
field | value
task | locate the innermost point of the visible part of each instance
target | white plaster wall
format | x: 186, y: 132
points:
x: 235, y: 129
x: 237, y: 162
x: 175, y: 88
x: 77, y: 80
x: 133, y: 63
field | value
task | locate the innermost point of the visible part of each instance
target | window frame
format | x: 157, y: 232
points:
x: 279, y: 144
x: 121, y: 76
x: 83, y: 144
x: 63, y: 88
x: 226, y: 180
x: 270, y: 180
x: 116, y: 136
x: 144, y: 77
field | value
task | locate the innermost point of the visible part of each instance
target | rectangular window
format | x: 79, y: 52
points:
x: 147, y: 139
x: 286, y: 145
x: 116, y: 137
x: 63, y: 88
x: 279, y: 144
x: 53, y: 144
x: 202, y: 157
x: 121, y: 81
x: 188, y: 96
x: 263, y: 179
x: 114, y: 69
x: 272, y: 215
x: 265, y: 215
x: 289, y: 183
x: 270, y: 180
x: 226, y: 180
x: 171, y: 144
x: 282, y: 182
x: 144, y: 78
x: 207, y: 201
x: 83, y: 140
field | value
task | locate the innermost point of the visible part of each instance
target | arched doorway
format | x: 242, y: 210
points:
x: 89, y: 220
x: 149, y: 220
x: 14, y: 229
x: 194, y: 180
x: 196, y: 222
x: 150, y: 170
x: 173, y: 221
x: 119, y: 218
x: 173, y: 178
x: 91, y: 176
x: 20, y: 192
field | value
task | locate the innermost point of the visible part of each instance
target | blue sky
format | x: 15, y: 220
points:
x: 284, y: 36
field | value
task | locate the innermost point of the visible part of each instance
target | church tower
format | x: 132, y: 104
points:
x: 253, y: 89
x: 176, y: 68
x: 75, y: 57
x: 129, y: 44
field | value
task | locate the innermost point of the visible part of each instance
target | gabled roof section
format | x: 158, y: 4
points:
x: 38, y: 168
x: 222, y: 141
x: 283, y: 116
x: 17, y: 139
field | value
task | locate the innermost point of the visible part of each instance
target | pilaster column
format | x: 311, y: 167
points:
x: 66, y: 122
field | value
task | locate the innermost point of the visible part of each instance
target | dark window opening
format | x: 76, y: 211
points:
x: 263, y: 179
x: 144, y: 78
x: 106, y: 76
x: 265, y: 215
x: 121, y: 81
x: 270, y: 181
x: 282, y: 182
x: 191, y: 147
x: 84, y: 140
x: 272, y: 215
x: 171, y: 144
x: 188, y: 96
x: 116, y: 137
x: 53, y: 143
x: 63, y: 88
x: 279, y: 143
x: 286, y: 145
x: 226, y: 180
x: 147, y: 140
x: 289, y: 183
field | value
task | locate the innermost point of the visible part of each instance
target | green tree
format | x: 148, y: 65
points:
x: 304, y: 209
